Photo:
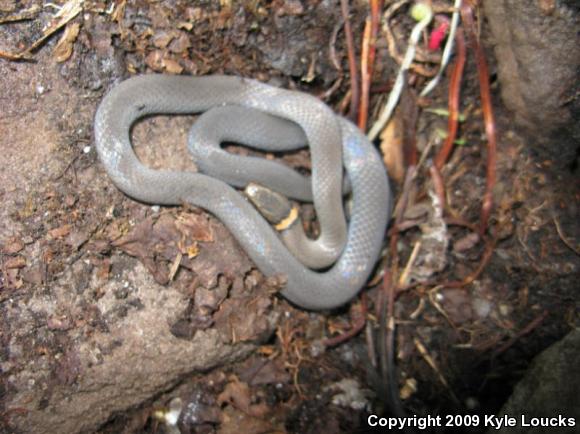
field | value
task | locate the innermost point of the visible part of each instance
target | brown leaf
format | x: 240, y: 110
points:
x: 392, y: 148
x: 158, y: 243
x: 291, y: 7
x: 236, y: 422
x: 154, y: 60
x: 64, y: 47
x: 239, y: 396
x: 184, y: 25
x: 207, y: 301
x: 265, y: 372
x: 144, y: 243
x: 162, y: 38
x: 195, y: 227
x: 246, y: 318
x: 119, y: 11
x: 172, y: 66
x: 465, y: 243
x: 180, y: 44
x: 68, y: 11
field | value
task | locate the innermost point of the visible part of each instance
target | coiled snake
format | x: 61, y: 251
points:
x: 260, y: 116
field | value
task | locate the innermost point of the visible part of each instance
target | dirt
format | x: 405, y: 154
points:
x: 115, y: 312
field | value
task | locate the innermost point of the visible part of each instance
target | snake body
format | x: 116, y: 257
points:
x: 287, y: 119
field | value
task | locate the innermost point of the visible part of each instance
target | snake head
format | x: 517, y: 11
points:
x: 273, y: 206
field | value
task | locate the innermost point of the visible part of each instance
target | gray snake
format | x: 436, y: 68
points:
x: 261, y: 116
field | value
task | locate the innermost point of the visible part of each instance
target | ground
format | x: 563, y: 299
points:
x: 113, y: 312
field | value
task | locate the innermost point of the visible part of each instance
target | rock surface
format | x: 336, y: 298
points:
x: 537, y: 46
x: 85, y: 331
x: 549, y: 389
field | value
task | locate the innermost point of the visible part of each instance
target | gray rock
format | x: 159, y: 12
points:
x: 550, y: 388
x: 538, y: 54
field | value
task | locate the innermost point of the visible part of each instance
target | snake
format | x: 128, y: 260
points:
x: 259, y: 116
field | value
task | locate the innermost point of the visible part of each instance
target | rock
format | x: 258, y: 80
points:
x: 537, y: 46
x: 73, y: 379
x: 538, y: 57
x: 550, y: 388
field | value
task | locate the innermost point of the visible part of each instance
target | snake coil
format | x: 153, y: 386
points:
x: 262, y: 116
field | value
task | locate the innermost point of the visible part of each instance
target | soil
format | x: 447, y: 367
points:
x: 113, y: 312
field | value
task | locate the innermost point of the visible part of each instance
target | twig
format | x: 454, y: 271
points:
x: 14, y: 56
x: 400, y: 80
x: 489, y: 246
x: 401, y: 206
x: 344, y: 102
x: 386, y: 348
x: 365, y: 78
x: 423, y: 351
x: 66, y: 13
x: 332, y: 47
x: 432, y: 293
x: 335, y: 62
x: 424, y: 155
x: 403, y: 279
x: 392, y: 45
x: 387, y: 30
x: 523, y: 242
x: 381, y: 88
x: 26, y: 14
x: 330, y: 91
x: 454, y: 92
x: 438, y: 185
x: 446, y: 51
x: 376, y: 6
x: 526, y: 330
x: 410, y: 111
x: 358, y: 315
x: 385, y: 308
x: 371, y: 347
x: 354, y: 86
x: 483, y: 75
x: 563, y: 238
x: 368, y: 60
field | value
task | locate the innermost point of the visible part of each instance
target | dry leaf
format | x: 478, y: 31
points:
x: 119, y: 11
x: 184, y: 25
x: 66, y: 13
x: 180, y: 44
x: 154, y: 60
x: 172, y: 66
x: 195, y: 226
x: 238, y: 395
x: 64, y: 47
x: 161, y: 39
x: 392, y: 147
